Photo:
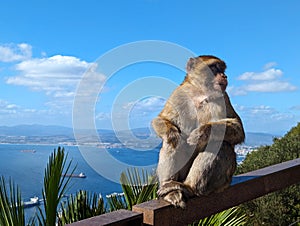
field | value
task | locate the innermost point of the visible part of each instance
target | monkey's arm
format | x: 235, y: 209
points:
x: 229, y: 129
x: 167, y: 130
x: 235, y: 133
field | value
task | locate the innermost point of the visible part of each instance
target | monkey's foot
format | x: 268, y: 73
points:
x: 167, y: 188
x: 174, y: 186
x: 176, y: 198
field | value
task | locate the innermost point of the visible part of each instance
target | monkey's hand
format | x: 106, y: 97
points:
x: 199, y: 136
x: 194, y: 137
x: 228, y: 129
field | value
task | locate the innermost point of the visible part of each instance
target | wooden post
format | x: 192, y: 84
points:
x: 116, y: 218
x: 245, y: 187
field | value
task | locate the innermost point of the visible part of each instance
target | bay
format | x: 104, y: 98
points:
x: 25, y: 165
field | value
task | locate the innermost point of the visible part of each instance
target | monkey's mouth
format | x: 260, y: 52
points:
x: 222, y: 85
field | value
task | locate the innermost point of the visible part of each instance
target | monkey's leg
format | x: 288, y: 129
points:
x: 173, y: 166
x: 212, y: 170
x: 174, y: 163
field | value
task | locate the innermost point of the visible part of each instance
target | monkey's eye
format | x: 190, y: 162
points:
x: 215, y: 69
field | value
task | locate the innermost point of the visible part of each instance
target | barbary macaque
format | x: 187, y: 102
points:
x: 199, y: 130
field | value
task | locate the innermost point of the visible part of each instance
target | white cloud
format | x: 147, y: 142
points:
x: 269, y: 65
x: 295, y: 108
x: 64, y: 94
x: 269, y: 80
x: 103, y: 116
x: 15, y: 52
x: 262, y: 109
x: 269, y: 74
x: 58, y: 75
x: 148, y: 104
x: 13, y: 114
x: 7, y: 108
x: 236, y: 91
x: 11, y: 106
x: 270, y: 86
x: 266, y: 119
x: 55, y: 66
x: 255, y: 111
x: 136, y: 114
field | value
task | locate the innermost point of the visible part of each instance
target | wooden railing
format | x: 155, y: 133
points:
x: 244, y: 187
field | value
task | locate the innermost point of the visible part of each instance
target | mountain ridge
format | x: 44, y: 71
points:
x: 252, y: 138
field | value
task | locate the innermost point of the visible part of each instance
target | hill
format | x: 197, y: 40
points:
x: 42, y: 131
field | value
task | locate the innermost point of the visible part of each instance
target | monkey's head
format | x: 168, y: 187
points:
x: 208, y: 71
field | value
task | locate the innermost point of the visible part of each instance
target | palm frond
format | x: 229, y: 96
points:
x: 138, y: 186
x: 11, y: 206
x: 55, y: 185
x: 116, y: 201
x: 81, y: 206
x: 229, y: 217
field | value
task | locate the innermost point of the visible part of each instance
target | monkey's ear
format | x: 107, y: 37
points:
x: 190, y: 64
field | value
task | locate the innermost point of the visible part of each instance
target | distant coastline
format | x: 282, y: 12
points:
x: 63, y: 136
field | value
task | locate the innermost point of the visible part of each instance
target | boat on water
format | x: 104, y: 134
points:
x: 28, y: 151
x: 115, y: 194
x: 34, y: 201
x: 81, y: 175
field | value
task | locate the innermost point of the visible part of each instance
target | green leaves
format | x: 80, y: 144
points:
x: 81, y: 206
x: 116, y: 201
x: 11, y: 209
x: 55, y: 185
x: 283, y: 149
x: 138, y: 186
x: 230, y: 217
x: 282, y: 207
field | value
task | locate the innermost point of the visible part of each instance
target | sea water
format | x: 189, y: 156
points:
x: 25, y: 165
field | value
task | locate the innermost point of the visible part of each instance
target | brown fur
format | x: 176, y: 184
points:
x: 199, y: 129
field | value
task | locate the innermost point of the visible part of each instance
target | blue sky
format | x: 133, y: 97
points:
x: 46, y: 47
